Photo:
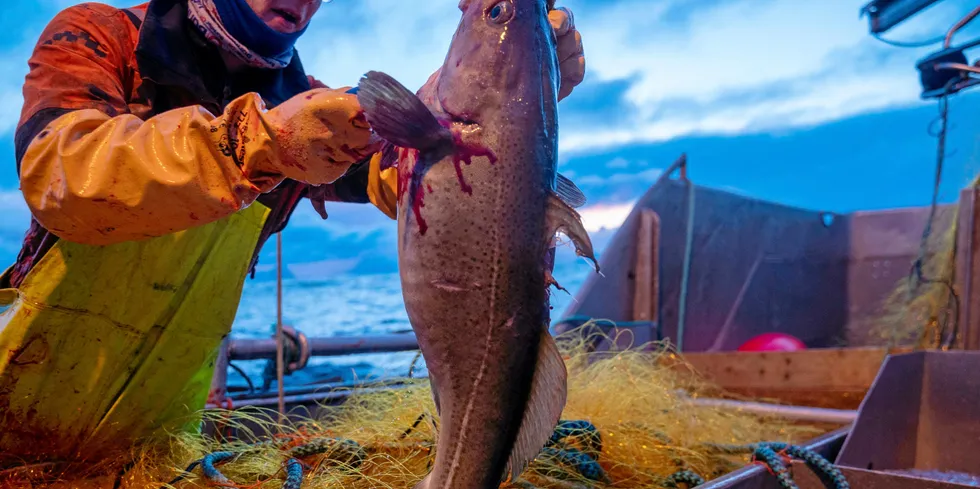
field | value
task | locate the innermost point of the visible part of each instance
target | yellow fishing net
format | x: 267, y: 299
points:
x: 639, y: 402
x: 921, y: 312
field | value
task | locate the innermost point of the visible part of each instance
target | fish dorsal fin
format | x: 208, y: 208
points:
x: 569, y: 192
x: 549, y: 390
x: 398, y: 115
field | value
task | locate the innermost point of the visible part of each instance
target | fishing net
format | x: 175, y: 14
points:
x: 629, y: 422
x: 923, y: 309
x: 921, y: 312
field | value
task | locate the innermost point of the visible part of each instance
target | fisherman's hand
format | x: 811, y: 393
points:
x: 320, y: 133
x: 571, y: 57
x: 314, y: 83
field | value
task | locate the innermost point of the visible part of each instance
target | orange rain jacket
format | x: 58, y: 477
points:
x: 143, y: 61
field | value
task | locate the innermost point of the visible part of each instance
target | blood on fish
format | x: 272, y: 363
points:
x: 409, y: 182
x: 405, y: 176
x: 464, y: 153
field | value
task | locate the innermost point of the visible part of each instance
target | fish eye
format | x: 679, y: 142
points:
x: 501, y: 12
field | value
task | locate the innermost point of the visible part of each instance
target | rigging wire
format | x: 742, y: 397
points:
x: 916, y: 275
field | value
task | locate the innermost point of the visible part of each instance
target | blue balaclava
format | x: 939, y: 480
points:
x: 247, y: 28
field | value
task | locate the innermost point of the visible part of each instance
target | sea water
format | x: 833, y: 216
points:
x: 355, y: 305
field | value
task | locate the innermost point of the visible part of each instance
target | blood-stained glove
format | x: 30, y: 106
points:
x: 320, y: 133
x: 379, y: 185
x: 96, y: 179
x: 571, y: 56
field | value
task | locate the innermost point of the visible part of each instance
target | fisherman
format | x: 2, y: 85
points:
x: 158, y: 148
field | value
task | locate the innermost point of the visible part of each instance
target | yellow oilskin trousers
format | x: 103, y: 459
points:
x: 106, y: 345
x: 111, y: 336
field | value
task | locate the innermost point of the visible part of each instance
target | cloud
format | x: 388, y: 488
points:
x: 408, y: 40
x: 743, y: 66
x: 656, y: 71
x: 618, y: 163
x: 659, y: 71
x: 605, y: 216
x: 645, y: 176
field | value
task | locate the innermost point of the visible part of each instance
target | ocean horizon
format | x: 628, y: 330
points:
x: 352, y: 304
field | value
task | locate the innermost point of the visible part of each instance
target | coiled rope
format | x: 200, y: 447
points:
x: 576, y: 444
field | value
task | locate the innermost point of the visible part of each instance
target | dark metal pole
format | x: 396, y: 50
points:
x: 885, y: 14
x: 315, y: 397
x: 813, y: 414
x: 322, y: 347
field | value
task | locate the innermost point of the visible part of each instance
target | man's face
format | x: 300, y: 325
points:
x: 286, y: 16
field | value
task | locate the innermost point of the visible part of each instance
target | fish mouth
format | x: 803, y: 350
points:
x: 454, y: 116
x: 459, y: 119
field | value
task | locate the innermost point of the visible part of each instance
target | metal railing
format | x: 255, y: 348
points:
x: 323, y: 347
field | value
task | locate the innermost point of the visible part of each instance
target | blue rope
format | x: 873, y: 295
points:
x: 767, y: 452
x: 183, y: 476
x: 568, y: 429
x: 210, y: 471
x: 352, y: 453
x: 687, y: 477
x: 294, y: 474
x: 208, y: 468
x: 775, y: 463
x: 586, y: 461
x: 581, y: 462
x: 348, y: 451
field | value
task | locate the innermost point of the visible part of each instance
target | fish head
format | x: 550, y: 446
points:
x: 502, y: 58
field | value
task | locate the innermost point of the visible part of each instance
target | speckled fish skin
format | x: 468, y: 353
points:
x: 473, y: 238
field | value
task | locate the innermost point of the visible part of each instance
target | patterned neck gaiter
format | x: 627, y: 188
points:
x: 234, y: 27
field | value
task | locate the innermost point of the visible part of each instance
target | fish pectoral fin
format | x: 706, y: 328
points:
x: 389, y: 156
x: 549, y: 280
x: 562, y: 218
x: 399, y: 116
x: 549, y: 391
x: 569, y: 192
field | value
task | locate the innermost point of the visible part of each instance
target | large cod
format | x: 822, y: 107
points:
x: 479, y: 205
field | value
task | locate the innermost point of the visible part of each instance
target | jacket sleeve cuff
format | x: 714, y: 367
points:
x: 95, y: 179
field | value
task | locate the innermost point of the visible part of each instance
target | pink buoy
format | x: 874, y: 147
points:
x: 773, y: 342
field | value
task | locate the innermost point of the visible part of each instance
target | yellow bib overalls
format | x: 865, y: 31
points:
x: 102, y: 346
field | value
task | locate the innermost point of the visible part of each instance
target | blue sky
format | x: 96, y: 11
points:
x: 784, y: 100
